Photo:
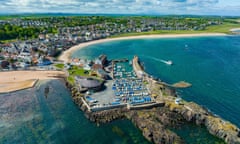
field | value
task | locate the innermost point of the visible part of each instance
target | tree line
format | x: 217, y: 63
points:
x: 8, y: 32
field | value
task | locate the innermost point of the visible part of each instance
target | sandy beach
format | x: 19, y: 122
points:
x: 67, y: 54
x: 17, y: 80
x: 235, y: 29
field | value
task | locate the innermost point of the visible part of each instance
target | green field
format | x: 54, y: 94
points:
x: 60, y: 66
x: 224, y: 28
x: 76, y: 71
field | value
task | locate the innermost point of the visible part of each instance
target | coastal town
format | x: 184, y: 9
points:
x: 40, y: 41
x: 107, y: 89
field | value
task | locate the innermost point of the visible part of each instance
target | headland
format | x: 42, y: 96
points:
x: 153, y: 110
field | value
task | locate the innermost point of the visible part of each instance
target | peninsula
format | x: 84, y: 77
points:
x: 151, y: 105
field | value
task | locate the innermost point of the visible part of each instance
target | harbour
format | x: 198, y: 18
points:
x: 125, y: 89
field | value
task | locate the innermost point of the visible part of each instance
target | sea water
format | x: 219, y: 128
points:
x: 210, y: 64
x: 31, y: 116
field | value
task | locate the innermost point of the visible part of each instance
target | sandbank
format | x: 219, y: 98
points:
x: 18, y: 80
x: 66, y: 55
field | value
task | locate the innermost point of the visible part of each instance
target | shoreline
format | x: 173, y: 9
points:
x: 235, y: 29
x: 12, y: 81
x: 189, y: 111
x: 66, y: 55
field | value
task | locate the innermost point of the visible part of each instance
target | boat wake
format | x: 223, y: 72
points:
x: 169, y: 62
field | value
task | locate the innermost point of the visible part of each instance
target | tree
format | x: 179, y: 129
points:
x: 5, y: 64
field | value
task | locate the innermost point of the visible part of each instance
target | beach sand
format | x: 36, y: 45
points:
x: 235, y: 29
x: 18, y: 80
x: 66, y: 55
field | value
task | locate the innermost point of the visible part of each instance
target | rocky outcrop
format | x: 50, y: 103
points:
x: 106, y: 115
x: 153, y: 124
x: 215, y: 125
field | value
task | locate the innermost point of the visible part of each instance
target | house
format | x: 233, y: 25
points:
x: 75, y: 61
x: 95, y: 67
x: 43, y: 61
x: 98, y: 61
x: 86, y: 67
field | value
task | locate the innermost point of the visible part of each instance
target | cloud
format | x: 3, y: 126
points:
x: 119, y: 6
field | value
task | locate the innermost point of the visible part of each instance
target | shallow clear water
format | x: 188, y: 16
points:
x: 29, y: 116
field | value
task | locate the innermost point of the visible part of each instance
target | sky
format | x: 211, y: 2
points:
x: 161, y: 7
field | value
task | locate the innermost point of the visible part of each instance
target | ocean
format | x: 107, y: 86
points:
x: 29, y: 116
x: 210, y: 64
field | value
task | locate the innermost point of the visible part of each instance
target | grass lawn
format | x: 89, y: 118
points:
x: 60, y: 66
x: 76, y: 71
x: 224, y: 28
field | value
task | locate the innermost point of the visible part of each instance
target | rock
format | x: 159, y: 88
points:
x: 215, y: 125
x: 154, y: 130
x: 107, y: 115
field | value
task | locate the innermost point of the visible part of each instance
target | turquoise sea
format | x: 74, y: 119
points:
x: 210, y: 64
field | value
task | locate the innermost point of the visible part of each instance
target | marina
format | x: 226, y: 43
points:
x: 125, y: 89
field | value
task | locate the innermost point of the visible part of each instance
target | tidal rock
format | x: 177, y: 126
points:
x: 154, y: 130
x: 215, y: 125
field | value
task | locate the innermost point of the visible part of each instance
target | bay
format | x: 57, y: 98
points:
x: 210, y: 64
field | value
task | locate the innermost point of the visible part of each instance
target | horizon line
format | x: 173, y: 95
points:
x: 124, y: 14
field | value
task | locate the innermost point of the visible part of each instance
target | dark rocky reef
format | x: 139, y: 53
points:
x: 153, y: 124
x: 106, y: 116
x: 215, y: 125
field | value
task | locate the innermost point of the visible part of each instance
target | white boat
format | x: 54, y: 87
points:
x: 169, y: 62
